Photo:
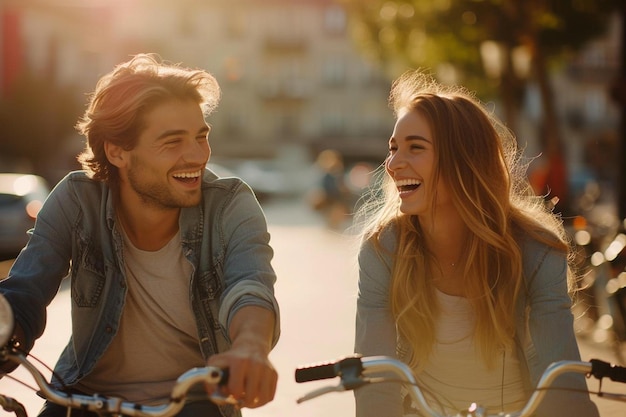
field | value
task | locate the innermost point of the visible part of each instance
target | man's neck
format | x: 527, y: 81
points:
x: 149, y: 229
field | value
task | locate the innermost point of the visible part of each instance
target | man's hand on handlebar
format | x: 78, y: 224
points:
x: 252, y: 378
x: 11, y: 334
x: 7, y: 366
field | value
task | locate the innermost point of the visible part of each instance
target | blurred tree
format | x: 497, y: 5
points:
x: 37, y: 116
x: 618, y: 93
x: 493, y: 47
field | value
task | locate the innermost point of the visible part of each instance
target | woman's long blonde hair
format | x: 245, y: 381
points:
x: 477, y: 157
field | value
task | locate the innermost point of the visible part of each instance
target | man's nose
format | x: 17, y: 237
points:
x: 197, y: 151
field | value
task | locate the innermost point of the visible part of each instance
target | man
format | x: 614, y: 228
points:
x: 170, y: 266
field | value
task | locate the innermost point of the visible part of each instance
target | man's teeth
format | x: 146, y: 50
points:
x: 404, y: 183
x: 188, y: 174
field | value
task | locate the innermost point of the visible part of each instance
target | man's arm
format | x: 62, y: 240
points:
x: 252, y: 377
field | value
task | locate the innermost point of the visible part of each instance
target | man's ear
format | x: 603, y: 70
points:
x: 115, y: 154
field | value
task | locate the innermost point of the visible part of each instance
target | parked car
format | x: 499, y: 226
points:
x: 21, y: 198
x: 220, y: 170
x: 272, y: 178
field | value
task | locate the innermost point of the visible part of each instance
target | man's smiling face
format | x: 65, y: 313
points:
x: 166, y: 166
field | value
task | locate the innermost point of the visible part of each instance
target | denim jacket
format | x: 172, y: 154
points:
x: 544, y: 332
x: 225, y: 238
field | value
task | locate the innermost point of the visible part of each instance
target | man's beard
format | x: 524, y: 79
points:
x: 158, y: 194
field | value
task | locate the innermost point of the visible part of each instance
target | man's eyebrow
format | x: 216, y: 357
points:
x: 175, y: 132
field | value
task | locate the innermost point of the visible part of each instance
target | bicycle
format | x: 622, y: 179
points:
x: 104, y: 406
x: 357, y: 371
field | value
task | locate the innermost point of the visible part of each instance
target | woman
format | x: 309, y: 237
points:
x: 463, y: 271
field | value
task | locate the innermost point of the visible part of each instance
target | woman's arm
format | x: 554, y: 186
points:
x: 375, y: 332
x: 551, y: 331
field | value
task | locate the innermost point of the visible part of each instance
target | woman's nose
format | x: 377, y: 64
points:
x: 395, y: 161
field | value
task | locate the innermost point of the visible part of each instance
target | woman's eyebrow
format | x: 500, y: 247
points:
x: 416, y: 138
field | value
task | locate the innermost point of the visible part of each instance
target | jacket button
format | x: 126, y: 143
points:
x: 108, y: 329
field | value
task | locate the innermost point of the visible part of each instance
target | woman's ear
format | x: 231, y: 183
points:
x: 115, y: 154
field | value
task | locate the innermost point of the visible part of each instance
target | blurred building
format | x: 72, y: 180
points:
x: 591, y: 123
x: 289, y: 73
x: 590, y: 116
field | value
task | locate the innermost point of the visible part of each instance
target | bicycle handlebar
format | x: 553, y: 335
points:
x: 357, y: 371
x: 601, y: 369
x: 113, y: 405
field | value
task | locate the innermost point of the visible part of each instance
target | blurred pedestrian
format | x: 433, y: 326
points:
x: 170, y: 265
x: 549, y: 174
x: 463, y: 271
x: 333, y: 197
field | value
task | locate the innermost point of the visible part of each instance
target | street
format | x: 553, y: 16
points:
x: 316, y: 289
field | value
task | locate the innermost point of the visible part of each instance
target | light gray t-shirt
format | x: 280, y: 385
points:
x: 157, y: 340
x: 451, y: 373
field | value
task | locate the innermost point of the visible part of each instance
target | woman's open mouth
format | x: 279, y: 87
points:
x: 406, y: 187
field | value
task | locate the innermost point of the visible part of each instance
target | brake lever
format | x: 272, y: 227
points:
x: 220, y: 399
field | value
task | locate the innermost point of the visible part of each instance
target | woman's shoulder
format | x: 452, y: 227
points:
x: 379, y: 246
x: 531, y: 246
x: 538, y: 255
x: 384, y: 238
x: 538, y: 244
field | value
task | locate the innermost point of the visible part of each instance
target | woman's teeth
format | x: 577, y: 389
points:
x: 407, y: 185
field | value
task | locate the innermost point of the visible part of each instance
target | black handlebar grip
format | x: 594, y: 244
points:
x: 601, y: 369
x: 316, y: 372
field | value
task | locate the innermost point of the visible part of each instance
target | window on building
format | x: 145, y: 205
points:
x: 334, y: 72
x: 234, y: 24
x: 595, y: 106
x: 335, y: 20
x: 333, y: 122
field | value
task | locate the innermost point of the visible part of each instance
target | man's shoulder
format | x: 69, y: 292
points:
x: 211, y: 181
x: 79, y: 179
